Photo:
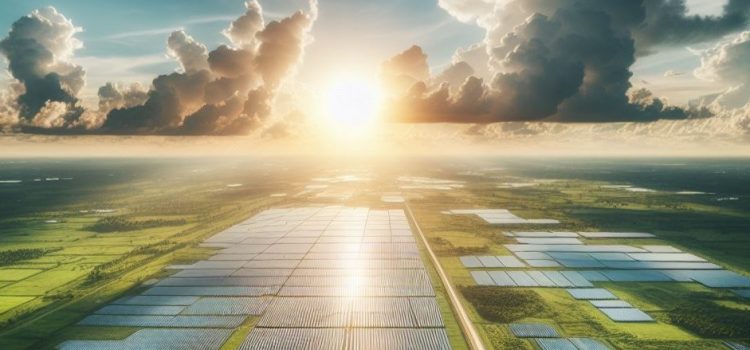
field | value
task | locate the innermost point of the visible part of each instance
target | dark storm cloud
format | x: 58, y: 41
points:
x: 564, y: 61
x: 229, y: 90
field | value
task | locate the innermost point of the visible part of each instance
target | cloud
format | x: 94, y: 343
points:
x: 562, y: 61
x: 728, y: 63
x: 242, y: 30
x: 192, y: 55
x: 38, y: 49
x: 228, y: 90
x: 232, y: 93
x: 403, y: 70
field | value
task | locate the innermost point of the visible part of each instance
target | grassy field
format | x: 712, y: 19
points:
x: 70, y: 246
x: 688, y: 315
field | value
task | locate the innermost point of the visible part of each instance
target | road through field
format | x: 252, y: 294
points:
x: 471, y: 334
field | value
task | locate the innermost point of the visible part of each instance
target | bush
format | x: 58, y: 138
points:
x: 9, y: 257
x: 122, y: 224
x: 503, y: 305
x: 710, y: 320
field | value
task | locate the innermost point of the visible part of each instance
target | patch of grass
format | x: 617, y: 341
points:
x: 504, y: 305
x: 7, y: 303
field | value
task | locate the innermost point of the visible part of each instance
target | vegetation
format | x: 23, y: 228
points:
x: 10, y: 257
x: 504, y: 305
x: 709, y: 320
x: 123, y: 224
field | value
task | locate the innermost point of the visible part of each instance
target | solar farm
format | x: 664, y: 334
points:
x: 315, y: 277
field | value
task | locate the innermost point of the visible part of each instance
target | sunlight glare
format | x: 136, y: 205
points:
x: 353, y: 103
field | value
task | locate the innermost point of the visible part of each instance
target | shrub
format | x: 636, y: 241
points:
x: 503, y: 305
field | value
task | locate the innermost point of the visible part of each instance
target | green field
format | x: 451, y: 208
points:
x: 69, y: 247
x: 687, y: 315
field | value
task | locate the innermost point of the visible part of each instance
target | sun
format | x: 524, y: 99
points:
x: 353, y: 102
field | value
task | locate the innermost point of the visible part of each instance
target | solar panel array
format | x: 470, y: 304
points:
x: 501, y: 216
x: 317, y: 278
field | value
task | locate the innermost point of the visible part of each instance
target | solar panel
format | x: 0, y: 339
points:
x: 139, y: 310
x: 262, y: 272
x: 736, y: 346
x: 588, y: 344
x: 521, y: 279
x: 558, y: 279
x: 553, y: 240
x: 481, y: 278
x: 155, y: 300
x: 222, y: 281
x: 231, y: 257
x: 588, y: 248
x: 533, y: 330
x: 661, y: 249
x: 612, y: 256
x: 555, y: 344
x: 541, y: 279
x: 610, y: 303
x: 636, y: 276
x: 594, y: 276
x: 626, y: 315
x: 591, y: 294
x: 576, y: 279
x: 542, y: 263
x: 678, y: 257
x: 427, y: 312
x: 228, y: 306
x: 490, y: 261
x: 212, y: 291
x: 279, y: 256
x: 544, y: 234
x: 162, y: 321
x: 533, y: 256
x: 720, y: 279
x: 195, y: 339
x: 205, y: 273
x: 471, y: 261
x: 510, y: 261
x: 745, y: 293
x: 399, y: 338
x: 502, y: 279
x: 616, y: 235
x: 580, y: 264
x: 294, y: 338
x: 382, y: 312
x: 306, y: 312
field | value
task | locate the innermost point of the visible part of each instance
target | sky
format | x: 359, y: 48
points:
x: 487, y: 72
x: 362, y: 32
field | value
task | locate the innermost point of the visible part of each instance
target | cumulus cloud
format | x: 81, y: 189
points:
x: 728, y: 63
x: 405, y: 69
x: 228, y: 90
x: 38, y: 49
x: 192, y: 55
x: 242, y: 30
x: 564, y: 61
